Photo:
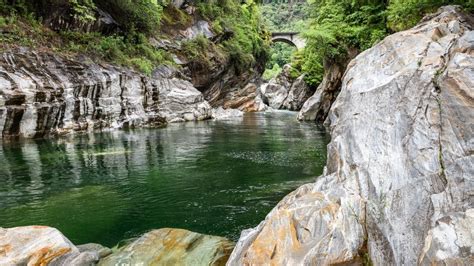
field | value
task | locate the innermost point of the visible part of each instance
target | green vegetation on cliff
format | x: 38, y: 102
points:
x: 283, y: 17
x: 336, y: 27
x: 74, y: 27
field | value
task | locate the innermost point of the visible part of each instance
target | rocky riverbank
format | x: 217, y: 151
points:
x: 41, y: 245
x: 399, y: 180
x: 398, y: 185
x: 47, y: 91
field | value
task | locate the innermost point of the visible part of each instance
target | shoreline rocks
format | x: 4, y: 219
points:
x: 398, y: 184
x: 225, y: 114
x: 172, y: 247
x: 42, y: 245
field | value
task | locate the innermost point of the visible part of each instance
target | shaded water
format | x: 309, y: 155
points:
x: 213, y: 177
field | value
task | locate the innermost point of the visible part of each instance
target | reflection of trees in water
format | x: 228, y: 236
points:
x: 172, y: 177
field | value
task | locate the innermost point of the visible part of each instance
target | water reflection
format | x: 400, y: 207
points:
x: 215, y: 177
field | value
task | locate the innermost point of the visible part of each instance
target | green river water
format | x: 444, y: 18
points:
x: 212, y: 177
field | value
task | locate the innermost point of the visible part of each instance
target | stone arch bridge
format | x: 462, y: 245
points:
x: 291, y: 38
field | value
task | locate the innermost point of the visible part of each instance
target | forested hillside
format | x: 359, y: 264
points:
x: 136, y: 33
x: 336, y: 27
x: 281, y: 16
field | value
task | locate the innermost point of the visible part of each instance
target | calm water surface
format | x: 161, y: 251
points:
x: 213, y: 177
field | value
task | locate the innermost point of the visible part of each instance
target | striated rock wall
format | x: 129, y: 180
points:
x: 44, y: 94
x: 399, y: 184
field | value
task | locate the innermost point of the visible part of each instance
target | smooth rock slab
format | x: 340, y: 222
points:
x: 172, y: 247
x: 224, y: 114
x: 40, y: 245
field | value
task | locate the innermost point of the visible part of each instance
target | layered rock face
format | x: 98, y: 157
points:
x: 43, y: 94
x: 399, y: 183
x: 172, y: 247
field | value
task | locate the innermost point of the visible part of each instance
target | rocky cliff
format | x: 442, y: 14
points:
x: 285, y: 92
x: 45, y: 94
x: 46, y: 91
x: 398, y: 187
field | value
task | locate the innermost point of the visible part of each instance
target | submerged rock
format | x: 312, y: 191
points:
x: 222, y: 114
x: 41, y: 245
x: 172, y: 247
x: 93, y: 247
x: 399, y: 180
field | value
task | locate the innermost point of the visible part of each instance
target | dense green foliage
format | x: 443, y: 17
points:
x: 140, y: 21
x: 283, y: 17
x: 248, y: 43
x: 338, y: 26
x: 403, y: 14
x: 137, y: 15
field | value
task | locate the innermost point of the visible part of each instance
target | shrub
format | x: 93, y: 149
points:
x: 403, y: 14
x: 143, y: 15
x: 84, y: 10
x: 271, y: 72
x: 143, y: 64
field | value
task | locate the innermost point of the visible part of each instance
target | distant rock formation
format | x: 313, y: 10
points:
x: 283, y: 92
x: 398, y: 187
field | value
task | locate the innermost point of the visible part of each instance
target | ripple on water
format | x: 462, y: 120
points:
x: 210, y: 177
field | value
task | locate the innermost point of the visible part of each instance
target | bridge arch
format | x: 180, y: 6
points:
x: 291, y: 38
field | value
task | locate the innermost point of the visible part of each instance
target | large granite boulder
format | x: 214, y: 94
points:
x: 273, y: 94
x: 283, y: 92
x: 297, y: 95
x: 284, y: 77
x: 247, y: 99
x: 399, y: 184
x: 178, y: 100
x: 172, y: 247
x: 43, y: 94
x: 41, y: 245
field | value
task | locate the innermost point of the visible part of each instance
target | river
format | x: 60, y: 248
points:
x: 212, y: 177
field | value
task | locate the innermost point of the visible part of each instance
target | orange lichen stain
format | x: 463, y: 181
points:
x: 39, y: 227
x: 5, y: 249
x: 331, y: 208
x: 317, y: 195
x: 45, y: 255
x: 295, y: 243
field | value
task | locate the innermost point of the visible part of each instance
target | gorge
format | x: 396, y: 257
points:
x: 162, y: 148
